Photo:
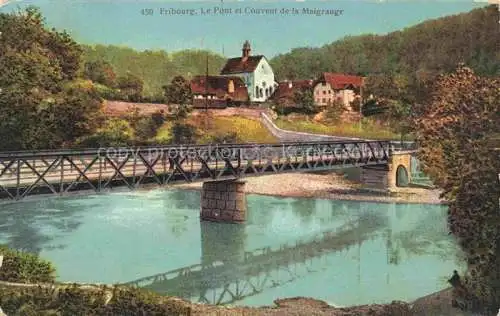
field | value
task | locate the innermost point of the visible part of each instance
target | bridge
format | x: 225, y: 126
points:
x: 61, y: 172
x: 235, y: 274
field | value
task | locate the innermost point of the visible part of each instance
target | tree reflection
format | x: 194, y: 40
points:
x: 32, y: 225
x: 304, y: 209
x: 427, y: 237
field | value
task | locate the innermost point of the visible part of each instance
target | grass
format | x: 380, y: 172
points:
x: 369, y: 129
x: 246, y: 130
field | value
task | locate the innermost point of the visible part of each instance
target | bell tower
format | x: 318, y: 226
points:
x: 246, y: 50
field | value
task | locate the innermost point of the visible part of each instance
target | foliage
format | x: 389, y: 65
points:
x: 356, y: 105
x: 147, y: 127
x: 130, y: 86
x: 114, y: 133
x: 419, y: 51
x: 178, y: 91
x: 304, y: 99
x: 183, y: 133
x: 454, y: 132
x: 91, y: 300
x: 393, y: 101
x: 100, y: 72
x: 164, y: 134
x: 41, y: 106
x: 23, y: 267
x: 156, y: 68
x: 334, y: 111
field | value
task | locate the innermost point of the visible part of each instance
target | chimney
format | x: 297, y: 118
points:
x: 245, y: 51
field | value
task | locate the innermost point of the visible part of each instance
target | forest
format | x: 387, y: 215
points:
x: 417, y: 53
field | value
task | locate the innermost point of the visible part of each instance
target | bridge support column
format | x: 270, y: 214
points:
x: 223, y: 201
x: 396, y: 173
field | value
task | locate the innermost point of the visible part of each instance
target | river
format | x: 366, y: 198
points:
x: 342, y: 252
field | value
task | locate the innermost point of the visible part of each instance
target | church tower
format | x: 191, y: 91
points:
x: 246, y: 50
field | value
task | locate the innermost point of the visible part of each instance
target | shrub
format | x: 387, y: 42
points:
x: 76, y: 300
x: 116, y: 132
x: 22, y: 267
x: 183, y: 133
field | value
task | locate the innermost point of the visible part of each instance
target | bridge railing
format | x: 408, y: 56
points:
x: 23, y: 173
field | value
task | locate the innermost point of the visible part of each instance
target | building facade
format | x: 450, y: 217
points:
x: 255, y: 72
x: 332, y: 87
x: 218, y: 91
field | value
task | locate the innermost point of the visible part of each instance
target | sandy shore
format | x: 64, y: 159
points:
x: 328, y: 186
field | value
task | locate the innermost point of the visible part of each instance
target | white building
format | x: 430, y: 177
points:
x: 255, y: 72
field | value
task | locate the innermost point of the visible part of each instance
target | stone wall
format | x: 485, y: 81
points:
x: 223, y: 201
x: 375, y: 177
x: 384, y: 176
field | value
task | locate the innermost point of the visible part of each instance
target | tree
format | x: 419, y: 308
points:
x: 304, y: 99
x: 38, y: 109
x: 454, y: 131
x: 178, y: 91
x: 334, y: 110
x: 131, y: 87
x: 393, y: 100
x: 100, y: 72
x: 183, y: 133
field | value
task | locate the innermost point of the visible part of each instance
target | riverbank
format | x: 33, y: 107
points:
x: 111, y: 299
x: 328, y: 186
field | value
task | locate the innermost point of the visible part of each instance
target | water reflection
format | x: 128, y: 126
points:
x: 337, y: 251
x: 34, y: 225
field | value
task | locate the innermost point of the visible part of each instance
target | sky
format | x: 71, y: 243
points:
x: 140, y: 25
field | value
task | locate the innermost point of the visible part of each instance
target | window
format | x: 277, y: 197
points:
x: 264, y: 84
x: 329, y: 91
x: 261, y: 92
x: 256, y: 92
x: 324, y: 100
x: 324, y: 91
x: 323, y: 84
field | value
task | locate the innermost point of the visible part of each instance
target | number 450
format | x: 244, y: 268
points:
x: 147, y: 11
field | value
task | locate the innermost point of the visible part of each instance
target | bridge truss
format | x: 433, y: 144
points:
x: 23, y: 174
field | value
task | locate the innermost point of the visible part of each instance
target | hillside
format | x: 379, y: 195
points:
x: 425, y: 49
x: 156, y: 68
x: 430, y: 47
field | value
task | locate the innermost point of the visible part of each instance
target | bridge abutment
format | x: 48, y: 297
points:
x: 396, y: 173
x: 223, y: 201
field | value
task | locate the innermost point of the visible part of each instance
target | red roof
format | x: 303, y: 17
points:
x: 219, y: 86
x: 341, y: 81
x: 239, y: 65
x: 287, y: 89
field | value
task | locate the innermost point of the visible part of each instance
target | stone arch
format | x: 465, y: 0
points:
x: 402, y: 177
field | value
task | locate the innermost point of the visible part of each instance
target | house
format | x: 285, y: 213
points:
x: 218, y: 91
x: 285, y: 93
x: 331, y: 87
x: 255, y: 72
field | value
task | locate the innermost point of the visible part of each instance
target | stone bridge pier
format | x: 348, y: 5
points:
x: 224, y: 201
x: 396, y: 173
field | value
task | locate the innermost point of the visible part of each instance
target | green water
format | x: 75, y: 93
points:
x: 343, y: 252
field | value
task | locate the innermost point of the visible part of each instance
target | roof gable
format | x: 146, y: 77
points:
x: 239, y: 65
x: 341, y: 81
